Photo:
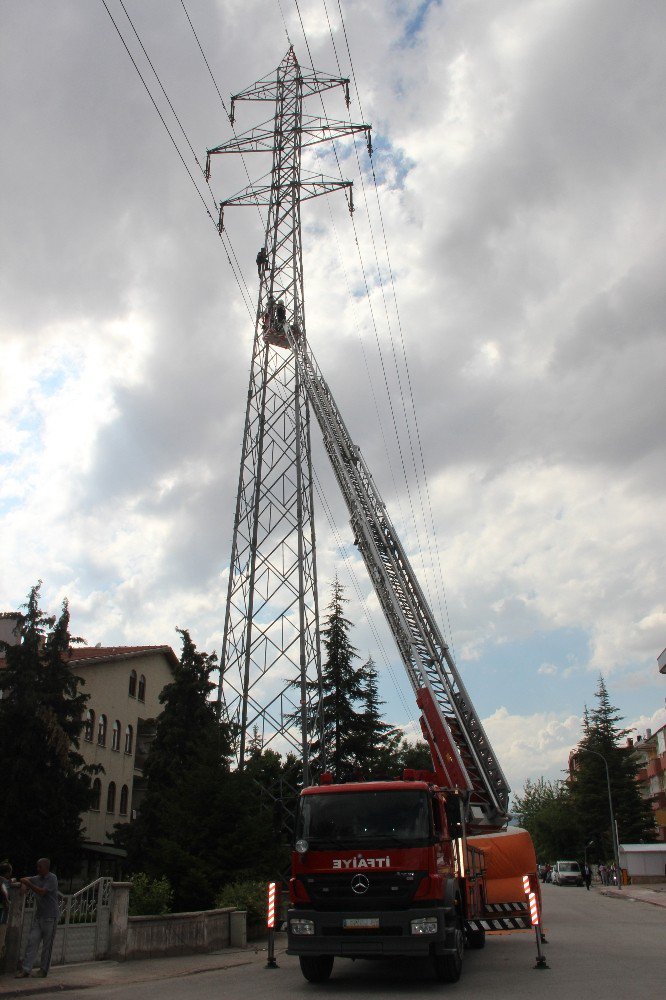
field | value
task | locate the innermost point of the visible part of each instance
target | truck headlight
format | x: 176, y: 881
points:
x: 301, y: 926
x: 424, y: 925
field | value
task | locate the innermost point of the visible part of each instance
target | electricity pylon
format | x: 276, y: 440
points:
x: 270, y: 667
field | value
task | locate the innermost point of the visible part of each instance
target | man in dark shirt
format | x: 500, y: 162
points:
x: 44, y: 885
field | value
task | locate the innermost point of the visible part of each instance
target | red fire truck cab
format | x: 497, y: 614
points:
x: 382, y: 868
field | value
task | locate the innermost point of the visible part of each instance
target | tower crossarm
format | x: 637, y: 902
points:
x: 307, y: 188
x: 424, y: 652
x: 309, y: 81
x: 313, y: 130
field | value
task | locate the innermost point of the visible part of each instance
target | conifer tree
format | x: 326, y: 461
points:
x: 46, y: 783
x: 602, y: 734
x: 185, y: 817
x: 342, y: 688
x: 377, y: 742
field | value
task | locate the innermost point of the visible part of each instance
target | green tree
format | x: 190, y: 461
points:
x: 545, y: 811
x: 46, y: 783
x: 270, y: 788
x: 377, y: 742
x: 186, y: 820
x: 415, y: 755
x: 603, y: 735
x: 342, y: 690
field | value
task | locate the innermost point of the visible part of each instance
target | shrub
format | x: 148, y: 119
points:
x: 150, y: 897
x: 247, y: 895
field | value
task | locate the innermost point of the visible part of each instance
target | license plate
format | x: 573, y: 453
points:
x: 360, y: 923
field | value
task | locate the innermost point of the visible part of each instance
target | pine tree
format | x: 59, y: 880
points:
x: 46, y: 783
x: 186, y: 824
x: 342, y: 688
x: 377, y: 742
x: 602, y: 734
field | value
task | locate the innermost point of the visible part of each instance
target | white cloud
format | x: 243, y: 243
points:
x: 520, y: 153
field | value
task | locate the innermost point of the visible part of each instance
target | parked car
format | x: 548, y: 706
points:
x: 567, y: 873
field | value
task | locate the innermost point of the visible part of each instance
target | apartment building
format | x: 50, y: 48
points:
x: 123, y: 684
x: 650, y: 752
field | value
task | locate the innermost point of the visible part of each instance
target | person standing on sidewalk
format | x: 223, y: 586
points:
x: 45, y: 887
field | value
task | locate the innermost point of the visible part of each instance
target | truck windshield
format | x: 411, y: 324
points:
x: 348, y: 819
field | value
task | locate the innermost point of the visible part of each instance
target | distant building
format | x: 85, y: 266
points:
x: 644, y: 863
x: 650, y: 753
x: 661, y: 662
x: 124, y: 684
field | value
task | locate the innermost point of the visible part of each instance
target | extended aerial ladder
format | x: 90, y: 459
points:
x: 462, y: 755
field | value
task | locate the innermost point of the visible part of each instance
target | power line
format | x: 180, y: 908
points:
x: 226, y: 111
x: 236, y: 270
x: 436, y: 562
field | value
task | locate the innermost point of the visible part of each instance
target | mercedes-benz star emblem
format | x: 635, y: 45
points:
x: 360, y: 884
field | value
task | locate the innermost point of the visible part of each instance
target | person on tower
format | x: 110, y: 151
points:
x: 280, y: 313
x: 262, y: 261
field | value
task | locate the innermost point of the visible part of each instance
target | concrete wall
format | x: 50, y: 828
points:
x: 178, y: 934
x: 173, y: 933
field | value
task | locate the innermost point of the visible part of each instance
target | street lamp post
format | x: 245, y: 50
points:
x: 616, y: 846
x: 589, y: 844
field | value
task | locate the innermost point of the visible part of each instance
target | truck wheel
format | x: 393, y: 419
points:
x: 449, y: 967
x: 476, y: 938
x: 316, y: 968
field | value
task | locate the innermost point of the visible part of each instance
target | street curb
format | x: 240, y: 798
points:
x: 619, y: 894
x: 93, y: 983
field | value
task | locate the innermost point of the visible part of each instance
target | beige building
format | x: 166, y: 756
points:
x: 123, y: 684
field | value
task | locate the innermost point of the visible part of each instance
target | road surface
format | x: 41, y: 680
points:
x: 598, y: 948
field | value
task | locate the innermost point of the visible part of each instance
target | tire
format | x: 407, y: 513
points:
x: 476, y: 938
x: 449, y: 967
x: 316, y: 968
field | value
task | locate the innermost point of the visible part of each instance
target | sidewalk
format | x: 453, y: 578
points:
x: 85, y: 975
x: 654, y: 894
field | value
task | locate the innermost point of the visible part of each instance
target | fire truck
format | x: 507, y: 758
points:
x: 423, y: 865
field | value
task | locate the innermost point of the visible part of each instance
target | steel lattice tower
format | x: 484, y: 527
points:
x: 270, y: 667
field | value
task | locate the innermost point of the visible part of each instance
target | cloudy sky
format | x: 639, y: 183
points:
x: 520, y: 155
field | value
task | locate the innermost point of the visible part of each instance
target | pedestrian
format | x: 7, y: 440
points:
x: 603, y: 874
x: 44, y: 885
x: 5, y: 882
x: 587, y: 876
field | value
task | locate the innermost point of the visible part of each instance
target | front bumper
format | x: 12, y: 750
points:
x: 393, y: 937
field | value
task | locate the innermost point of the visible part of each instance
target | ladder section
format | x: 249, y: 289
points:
x: 422, y: 648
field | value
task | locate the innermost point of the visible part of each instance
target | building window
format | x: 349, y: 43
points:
x: 142, y: 688
x: 97, y: 794
x: 101, y: 731
x: 89, y: 728
x: 132, y: 684
x: 129, y: 739
x: 115, y: 736
x: 124, y: 796
x: 111, y: 798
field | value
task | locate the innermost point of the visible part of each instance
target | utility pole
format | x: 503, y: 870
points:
x: 270, y: 667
